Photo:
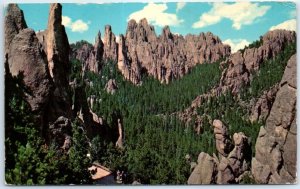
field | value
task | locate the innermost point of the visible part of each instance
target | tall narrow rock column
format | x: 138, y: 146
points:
x: 57, y: 48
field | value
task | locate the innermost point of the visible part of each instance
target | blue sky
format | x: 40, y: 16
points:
x: 237, y: 24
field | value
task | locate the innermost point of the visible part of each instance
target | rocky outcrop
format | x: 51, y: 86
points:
x: 276, y: 146
x: 89, y: 56
x: 206, y: 170
x: 231, y: 165
x: 120, y: 141
x: 14, y: 23
x: 27, y: 61
x: 241, y: 65
x: 262, y: 107
x: 60, y: 133
x: 223, y: 142
x: 111, y: 86
x: 110, y: 45
x: 237, y: 162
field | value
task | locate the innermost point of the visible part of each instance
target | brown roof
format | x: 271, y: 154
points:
x: 101, y: 171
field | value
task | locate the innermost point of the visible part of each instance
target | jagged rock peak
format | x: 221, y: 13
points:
x: 57, y: 42
x: 110, y: 44
x: 58, y: 49
x: 98, y: 39
x: 14, y: 23
x: 166, y: 33
x: 56, y: 13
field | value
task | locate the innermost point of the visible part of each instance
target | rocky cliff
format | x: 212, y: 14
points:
x: 43, y: 68
x: 275, y: 159
x: 27, y: 61
x: 240, y: 66
x: 238, y: 70
x: 164, y: 57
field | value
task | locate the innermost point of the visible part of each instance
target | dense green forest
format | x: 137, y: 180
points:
x: 154, y: 140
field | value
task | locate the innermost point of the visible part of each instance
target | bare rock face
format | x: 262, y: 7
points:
x: 111, y: 86
x: 205, y: 171
x: 57, y: 49
x: 276, y: 146
x: 263, y: 105
x: 241, y: 65
x: 167, y: 56
x: 14, y: 23
x: 223, y: 143
x: 27, y: 60
x: 110, y: 45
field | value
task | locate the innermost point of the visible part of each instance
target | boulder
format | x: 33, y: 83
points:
x: 205, y: 171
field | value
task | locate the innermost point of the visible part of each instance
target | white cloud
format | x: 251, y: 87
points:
x: 180, y: 6
x: 287, y: 25
x: 236, y: 44
x: 76, y: 26
x: 156, y: 15
x: 240, y: 13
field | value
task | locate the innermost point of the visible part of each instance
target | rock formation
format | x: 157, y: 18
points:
x: 167, y: 56
x: 276, y: 146
x: 240, y: 66
x: 120, y: 141
x: 223, y: 143
x: 111, y: 86
x: 110, y: 45
x: 90, y: 56
x: 57, y: 50
x: 41, y: 62
x: 206, y: 170
x: 26, y: 60
x: 164, y: 57
x: 14, y: 23
x: 233, y: 161
x: 60, y: 133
